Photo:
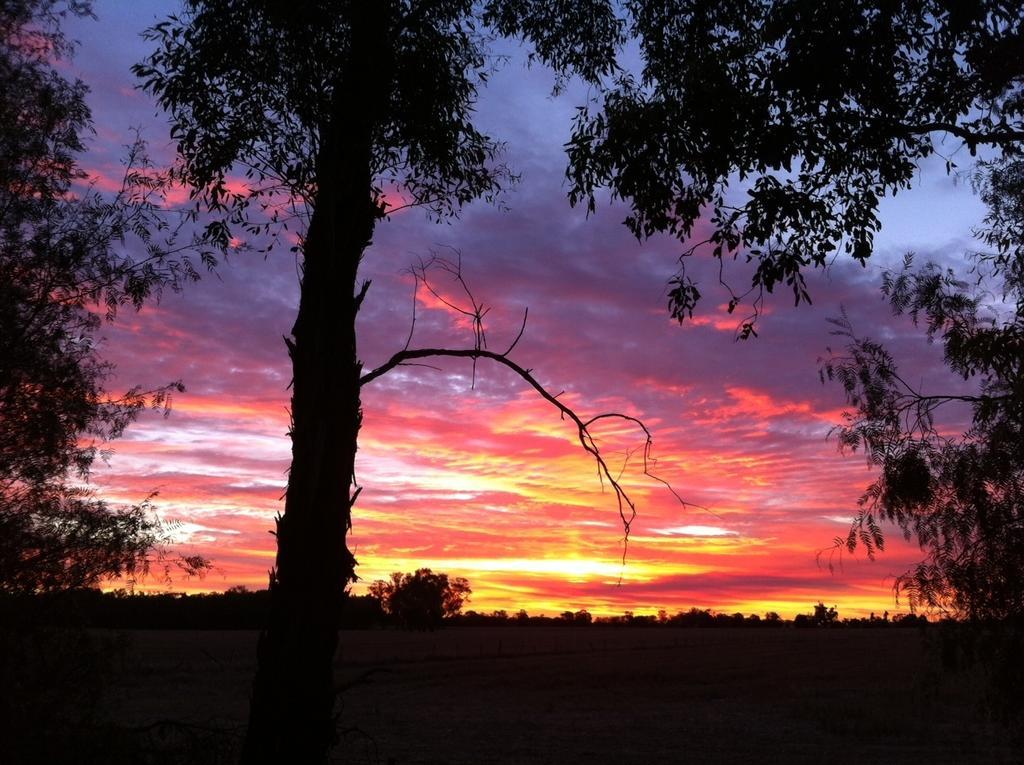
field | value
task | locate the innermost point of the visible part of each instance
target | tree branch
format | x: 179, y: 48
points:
x: 626, y: 506
x: 476, y: 313
x: 971, y: 138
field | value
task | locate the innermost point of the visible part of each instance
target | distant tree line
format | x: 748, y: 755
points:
x: 240, y: 608
x: 822, y: 616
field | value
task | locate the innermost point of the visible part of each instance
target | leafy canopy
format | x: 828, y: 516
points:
x: 765, y: 131
x: 769, y: 130
x: 64, y: 260
x: 252, y: 86
x: 961, y: 496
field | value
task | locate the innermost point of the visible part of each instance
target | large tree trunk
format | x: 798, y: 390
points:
x: 291, y: 715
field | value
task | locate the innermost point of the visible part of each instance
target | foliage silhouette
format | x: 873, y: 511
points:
x: 960, y: 496
x: 823, y: 616
x: 66, y: 250
x: 70, y: 256
x: 421, y: 600
x: 768, y: 131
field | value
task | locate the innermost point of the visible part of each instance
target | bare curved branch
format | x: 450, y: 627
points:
x: 626, y: 505
x: 476, y: 313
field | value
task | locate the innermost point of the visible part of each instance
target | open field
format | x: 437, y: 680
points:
x: 550, y: 695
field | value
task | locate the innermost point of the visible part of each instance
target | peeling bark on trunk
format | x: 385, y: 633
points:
x: 292, y: 706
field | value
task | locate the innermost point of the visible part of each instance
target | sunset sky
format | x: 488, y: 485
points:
x: 487, y: 482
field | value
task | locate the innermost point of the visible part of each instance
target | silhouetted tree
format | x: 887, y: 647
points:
x: 63, y: 254
x: 421, y: 600
x: 779, y: 125
x: 962, y: 496
x: 582, y: 617
x: 824, y: 616
x: 325, y: 106
x: 67, y: 255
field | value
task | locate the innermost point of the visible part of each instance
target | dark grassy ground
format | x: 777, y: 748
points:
x: 549, y: 695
